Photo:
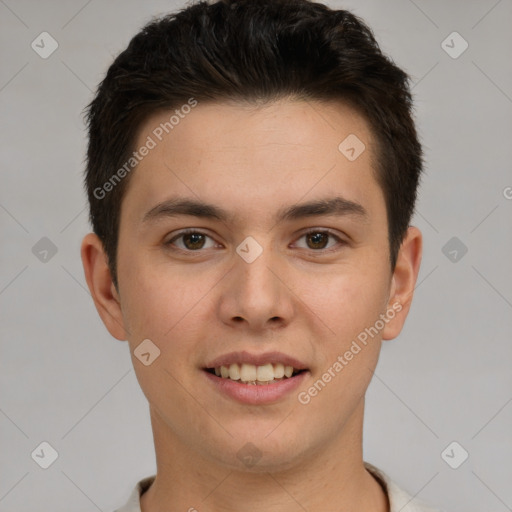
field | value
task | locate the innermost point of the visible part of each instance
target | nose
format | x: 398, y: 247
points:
x: 256, y: 294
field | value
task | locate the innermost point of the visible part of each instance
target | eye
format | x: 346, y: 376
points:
x: 318, y: 239
x: 191, y: 240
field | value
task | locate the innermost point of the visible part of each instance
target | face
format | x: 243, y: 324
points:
x: 251, y: 240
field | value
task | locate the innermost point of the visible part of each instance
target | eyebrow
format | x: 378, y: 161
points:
x: 173, y: 207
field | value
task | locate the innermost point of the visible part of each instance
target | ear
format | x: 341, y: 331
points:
x: 103, y: 291
x: 403, y: 282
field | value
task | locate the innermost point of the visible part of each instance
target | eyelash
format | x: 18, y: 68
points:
x: 308, y: 232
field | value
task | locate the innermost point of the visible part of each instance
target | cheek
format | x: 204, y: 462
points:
x: 347, y: 300
x: 350, y: 303
x: 162, y: 302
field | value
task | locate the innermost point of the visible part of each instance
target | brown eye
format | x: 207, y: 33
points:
x: 191, y: 241
x: 317, y: 240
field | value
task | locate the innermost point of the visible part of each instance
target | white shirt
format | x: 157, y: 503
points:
x: 399, y: 500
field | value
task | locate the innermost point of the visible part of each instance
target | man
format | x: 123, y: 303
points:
x: 252, y: 172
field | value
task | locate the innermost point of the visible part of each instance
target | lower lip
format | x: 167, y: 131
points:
x: 256, y: 394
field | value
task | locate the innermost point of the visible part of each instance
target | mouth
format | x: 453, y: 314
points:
x: 251, y: 374
x: 256, y: 379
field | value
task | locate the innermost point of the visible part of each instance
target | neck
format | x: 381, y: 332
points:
x: 332, y: 477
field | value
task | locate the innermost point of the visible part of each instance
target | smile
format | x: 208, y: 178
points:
x: 251, y: 374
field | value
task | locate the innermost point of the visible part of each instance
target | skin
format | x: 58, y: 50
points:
x: 297, y: 297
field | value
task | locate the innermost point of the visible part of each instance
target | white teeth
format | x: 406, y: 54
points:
x: 248, y: 372
x: 234, y: 372
x: 252, y: 374
x: 265, y: 373
x: 278, y: 371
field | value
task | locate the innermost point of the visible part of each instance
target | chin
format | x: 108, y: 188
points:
x: 259, y: 454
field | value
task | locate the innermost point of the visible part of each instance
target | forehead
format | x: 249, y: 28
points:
x: 254, y: 156
x: 297, y: 126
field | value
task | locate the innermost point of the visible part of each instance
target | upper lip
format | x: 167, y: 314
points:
x: 256, y: 359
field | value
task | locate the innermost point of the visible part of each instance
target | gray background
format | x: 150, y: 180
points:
x: 447, y: 378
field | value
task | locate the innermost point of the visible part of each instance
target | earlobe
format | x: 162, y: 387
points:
x: 403, y: 282
x: 99, y: 280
